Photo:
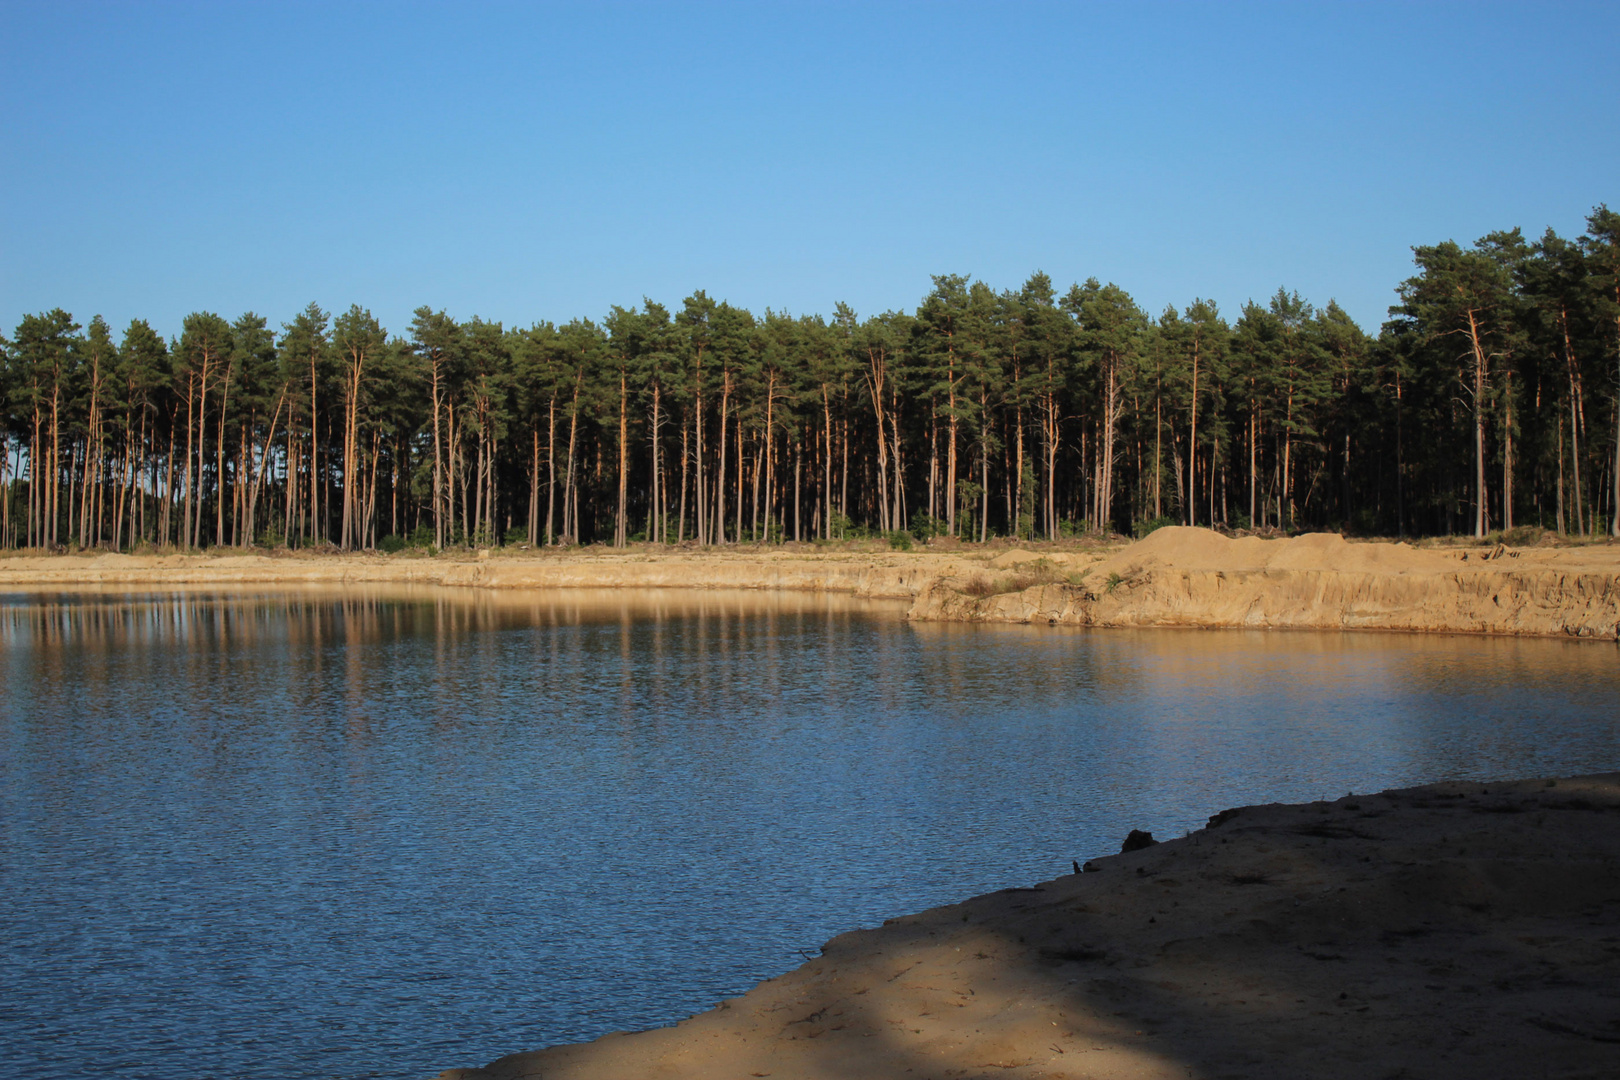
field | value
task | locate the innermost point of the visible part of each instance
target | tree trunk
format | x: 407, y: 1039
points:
x: 551, y: 468
x: 720, y: 477
x: 219, y: 463
x: 264, y: 462
x: 827, y: 465
x: 1480, y: 369
x: 620, y: 533
x: 655, y: 524
x: 185, y: 505
x: 438, y: 454
x: 876, y: 373
x: 313, y: 528
x: 700, y: 504
x: 1192, y: 444
x: 1507, y: 453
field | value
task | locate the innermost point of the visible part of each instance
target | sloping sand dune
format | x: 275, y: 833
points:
x: 1450, y: 931
x: 1194, y: 577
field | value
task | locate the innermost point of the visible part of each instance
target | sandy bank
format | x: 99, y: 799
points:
x: 1319, y: 581
x: 897, y: 575
x: 1457, y: 930
x: 1175, y: 577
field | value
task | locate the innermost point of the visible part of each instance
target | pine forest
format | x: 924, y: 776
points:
x: 1489, y: 401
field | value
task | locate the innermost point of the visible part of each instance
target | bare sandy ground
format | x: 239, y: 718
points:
x: 1175, y: 577
x: 873, y: 573
x: 1457, y: 930
x: 1198, y: 578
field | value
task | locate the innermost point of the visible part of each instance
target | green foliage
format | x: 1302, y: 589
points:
x: 1488, y: 401
x: 924, y: 527
x: 1523, y: 535
x: 899, y: 541
x: 843, y: 528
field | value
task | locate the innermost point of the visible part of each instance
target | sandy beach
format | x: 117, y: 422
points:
x: 1457, y: 930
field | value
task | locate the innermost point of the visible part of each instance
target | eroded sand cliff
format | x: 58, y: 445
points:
x: 1456, y: 930
x: 1320, y: 581
x: 885, y: 575
x: 1175, y: 577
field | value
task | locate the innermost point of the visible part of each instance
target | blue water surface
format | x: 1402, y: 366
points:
x: 378, y: 832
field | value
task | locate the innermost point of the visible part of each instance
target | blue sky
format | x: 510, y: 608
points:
x: 529, y: 162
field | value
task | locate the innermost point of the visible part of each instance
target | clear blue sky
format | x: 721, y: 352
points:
x: 526, y: 162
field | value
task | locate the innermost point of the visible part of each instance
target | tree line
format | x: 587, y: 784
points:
x: 1489, y: 400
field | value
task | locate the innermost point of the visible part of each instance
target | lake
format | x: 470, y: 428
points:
x: 311, y: 834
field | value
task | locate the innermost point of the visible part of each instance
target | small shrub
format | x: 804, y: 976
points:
x: 391, y: 544
x: 1038, y: 572
x: 977, y: 586
x: 1114, y: 582
x: 1522, y: 535
x: 845, y: 529
x: 926, y: 526
x: 900, y: 541
x: 1028, y: 576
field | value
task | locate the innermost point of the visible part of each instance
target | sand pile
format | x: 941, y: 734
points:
x: 1456, y: 930
x: 1195, y: 577
x: 1185, y: 548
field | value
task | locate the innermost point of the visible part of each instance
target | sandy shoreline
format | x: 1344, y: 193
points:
x: 1318, y: 581
x: 896, y: 575
x: 1176, y: 577
x: 1456, y: 930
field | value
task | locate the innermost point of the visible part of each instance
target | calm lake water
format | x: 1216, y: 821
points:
x: 376, y: 833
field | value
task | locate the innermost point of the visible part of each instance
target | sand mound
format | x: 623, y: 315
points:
x: 1187, y: 548
x: 1184, y: 545
x: 1014, y: 557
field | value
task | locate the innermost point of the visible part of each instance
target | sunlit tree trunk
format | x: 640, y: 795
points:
x: 1577, y: 422
x: 1192, y: 443
x: 219, y: 460
x: 1481, y: 366
x: 719, y: 536
x: 551, y: 468
x: 620, y: 530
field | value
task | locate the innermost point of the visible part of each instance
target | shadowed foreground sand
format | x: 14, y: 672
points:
x: 1457, y: 930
